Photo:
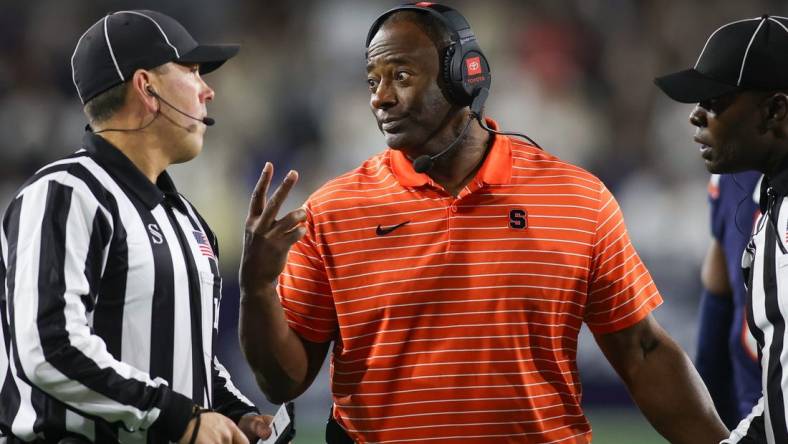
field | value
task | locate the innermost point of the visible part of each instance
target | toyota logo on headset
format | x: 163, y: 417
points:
x: 473, y: 65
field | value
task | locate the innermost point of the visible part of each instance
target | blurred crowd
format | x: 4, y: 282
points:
x: 575, y: 75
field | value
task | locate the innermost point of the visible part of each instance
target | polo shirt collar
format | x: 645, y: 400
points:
x: 122, y: 169
x: 496, y: 169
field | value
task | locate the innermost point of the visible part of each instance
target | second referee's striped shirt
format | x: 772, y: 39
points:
x: 109, y: 308
x: 765, y: 262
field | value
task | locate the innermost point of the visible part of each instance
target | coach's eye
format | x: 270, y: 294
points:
x: 402, y: 76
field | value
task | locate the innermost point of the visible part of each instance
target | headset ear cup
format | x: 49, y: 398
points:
x: 446, y: 65
x: 453, y: 75
x: 474, y: 71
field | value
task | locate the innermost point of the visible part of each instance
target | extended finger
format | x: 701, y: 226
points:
x: 272, y: 207
x: 257, y: 202
x: 289, y: 222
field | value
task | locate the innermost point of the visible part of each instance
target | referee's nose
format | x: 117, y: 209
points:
x: 698, y: 116
x: 206, y: 92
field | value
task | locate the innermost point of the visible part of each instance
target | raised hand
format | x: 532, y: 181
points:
x: 267, y: 239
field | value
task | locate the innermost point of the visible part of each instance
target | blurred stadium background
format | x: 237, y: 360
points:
x: 576, y: 75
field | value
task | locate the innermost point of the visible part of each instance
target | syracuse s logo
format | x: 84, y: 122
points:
x: 518, y: 219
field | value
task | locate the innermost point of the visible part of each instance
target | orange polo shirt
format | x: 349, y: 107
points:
x: 457, y: 318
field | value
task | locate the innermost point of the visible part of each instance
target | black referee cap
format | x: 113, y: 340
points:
x: 111, y: 50
x: 750, y: 54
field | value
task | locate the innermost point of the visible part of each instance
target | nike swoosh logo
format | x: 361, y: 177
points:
x: 380, y: 231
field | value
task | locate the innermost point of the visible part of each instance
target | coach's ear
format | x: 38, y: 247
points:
x: 775, y: 114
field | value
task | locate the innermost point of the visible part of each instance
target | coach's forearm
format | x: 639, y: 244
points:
x: 672, y: 396
x: 275, y: 352
x: 663, y: 383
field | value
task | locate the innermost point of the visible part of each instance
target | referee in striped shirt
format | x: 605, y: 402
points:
x: 740, y: 84
x: 109, y: 308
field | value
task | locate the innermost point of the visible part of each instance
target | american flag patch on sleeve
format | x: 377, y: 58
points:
x: 203, y: 244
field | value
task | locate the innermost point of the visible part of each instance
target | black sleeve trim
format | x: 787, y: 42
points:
x: 235, y: 415
x: 176, y: 412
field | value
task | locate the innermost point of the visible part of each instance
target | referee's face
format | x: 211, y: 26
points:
x: 406, y: 100
x: 182, y: 86
x: 730, y: 132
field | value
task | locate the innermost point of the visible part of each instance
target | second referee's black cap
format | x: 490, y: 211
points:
x: 113, y: 48
x: 750, y: 54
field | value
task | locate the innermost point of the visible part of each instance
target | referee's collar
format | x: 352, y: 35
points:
x: 778, y: 181
x: 122, y: 169
x: 496, y: 169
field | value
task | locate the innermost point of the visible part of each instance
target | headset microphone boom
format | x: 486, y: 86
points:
x: 208, y: 121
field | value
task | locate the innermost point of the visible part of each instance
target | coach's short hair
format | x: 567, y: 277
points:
x: 435, y: 29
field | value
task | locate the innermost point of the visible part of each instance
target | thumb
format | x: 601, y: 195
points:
x: 238, y: 436
x: 262, y: 428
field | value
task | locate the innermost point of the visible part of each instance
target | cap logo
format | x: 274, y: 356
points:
x: 473, y: 65
x: 424, y: 4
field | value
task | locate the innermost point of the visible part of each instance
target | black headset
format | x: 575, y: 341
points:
x: 464, y: 67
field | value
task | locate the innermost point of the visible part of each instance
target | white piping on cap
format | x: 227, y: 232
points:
x: 747, y: 51
x: 177, y: 55
x: 771, y: 18
x: 74, y: 54
x: 111, y: 52
x: 716, y: 31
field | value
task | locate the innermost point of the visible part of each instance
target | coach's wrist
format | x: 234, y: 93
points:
x: 262, y: 290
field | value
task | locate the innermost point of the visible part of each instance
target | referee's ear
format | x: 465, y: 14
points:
x: 141, y: 85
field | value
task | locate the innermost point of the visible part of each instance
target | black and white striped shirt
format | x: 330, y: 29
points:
x: 765, y: 262
x: 109, y: 308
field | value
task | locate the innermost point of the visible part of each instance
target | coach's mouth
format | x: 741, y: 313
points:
x: 392, y: 124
